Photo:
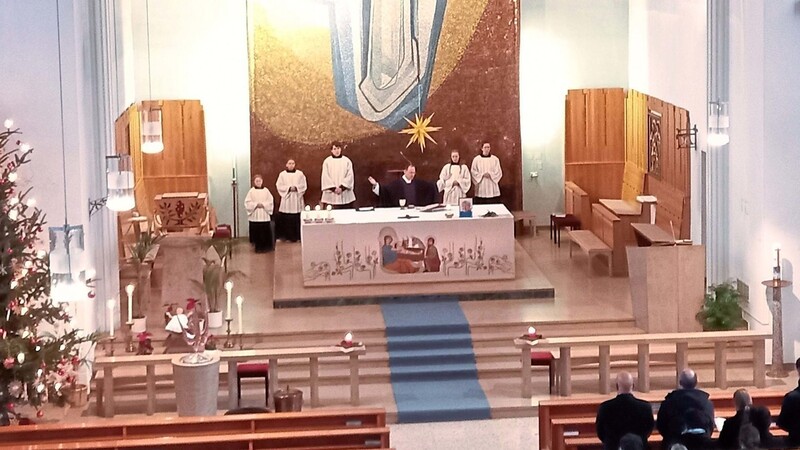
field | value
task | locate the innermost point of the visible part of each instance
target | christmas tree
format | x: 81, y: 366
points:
x: 39, y: 347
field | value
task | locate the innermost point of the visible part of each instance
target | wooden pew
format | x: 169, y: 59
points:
x: 350, y: 428
x: 560, y: 416
x: 609, y: 229
x: 720, y: 339
x: 590, y: 244
x: 105, y: 390
x: 578, y: 203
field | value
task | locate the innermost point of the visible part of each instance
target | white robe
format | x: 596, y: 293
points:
x: 454, y: 182
x: 337, y: 172
x: 486, y: 187
x: 291, y: 202
x: 253, y: 198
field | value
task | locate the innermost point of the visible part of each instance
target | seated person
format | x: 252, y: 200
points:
x: 789, y: 418
x: 409, y: 188
x: 686, y: 415
x: 623, y: 415
x: 756, y: 416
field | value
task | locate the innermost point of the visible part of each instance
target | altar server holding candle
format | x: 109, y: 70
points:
x: 291, y: 187
x: 260, y: 205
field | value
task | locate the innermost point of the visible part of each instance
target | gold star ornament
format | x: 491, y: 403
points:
x: 420, y: 130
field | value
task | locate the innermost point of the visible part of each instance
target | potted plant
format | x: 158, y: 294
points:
x: 143, y: 252
x: 721, y: 309
x: 215, y: 274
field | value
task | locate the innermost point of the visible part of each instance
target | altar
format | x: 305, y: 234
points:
x: 394, y: 245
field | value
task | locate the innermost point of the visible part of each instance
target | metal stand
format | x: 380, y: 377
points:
x: 235, y: 190
x: 228, y: 342
x: 129, y: 345
x: 108, y: 345
x: 241, y: 341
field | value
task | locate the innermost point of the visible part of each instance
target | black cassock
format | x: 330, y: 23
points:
x: 418, y: 193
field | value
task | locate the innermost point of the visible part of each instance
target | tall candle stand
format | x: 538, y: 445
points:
x: 129, y: 346
x: 241, y: 341
x: 776, y: 285
x: 228, y: 342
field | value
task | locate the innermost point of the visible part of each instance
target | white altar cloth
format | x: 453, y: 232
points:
x: 383, y: 246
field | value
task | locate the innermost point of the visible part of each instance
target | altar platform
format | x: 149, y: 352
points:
x: 289, y: 292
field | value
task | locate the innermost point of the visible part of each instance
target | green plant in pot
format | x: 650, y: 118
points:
x: 215, y: 274
x: 143, y: 253
x: 721, y: 309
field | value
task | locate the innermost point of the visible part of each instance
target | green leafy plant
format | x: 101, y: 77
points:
x: 721, y: 308
x: 216, y: 272
x: 140, y: 258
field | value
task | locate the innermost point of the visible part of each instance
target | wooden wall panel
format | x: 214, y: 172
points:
x: 181, y: 167
x: 598, y: 179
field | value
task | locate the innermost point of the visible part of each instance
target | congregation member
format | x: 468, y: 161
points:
x: 291, y: 186
x: 789, y: 417
x: 259, y: 205
x: 486, y: 174
x: 686, y: 415
x: 454, y: 180
x: 749, y: 421
x: 337, y: 179
x: 408, y: 188
x: 623, y: 415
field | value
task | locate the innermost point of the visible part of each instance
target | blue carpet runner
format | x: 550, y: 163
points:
x: 433, y: 372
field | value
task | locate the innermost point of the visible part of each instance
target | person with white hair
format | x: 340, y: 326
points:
x: 622, y: 415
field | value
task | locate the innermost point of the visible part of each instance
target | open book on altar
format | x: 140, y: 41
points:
x: 433, y: 207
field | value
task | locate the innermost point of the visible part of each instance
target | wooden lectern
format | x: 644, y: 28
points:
x: 667, y: 287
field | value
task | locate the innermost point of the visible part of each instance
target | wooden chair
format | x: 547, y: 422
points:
x: 252, y: 370
x: 544, y: 358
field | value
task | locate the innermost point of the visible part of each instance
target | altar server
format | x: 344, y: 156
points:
x: 337, y: 179
x: 486, y: 174
x: 454, y: 180
x: 291, y: 187
x: 259, y: 205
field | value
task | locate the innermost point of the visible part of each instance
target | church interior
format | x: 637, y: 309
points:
x: 625, y: 205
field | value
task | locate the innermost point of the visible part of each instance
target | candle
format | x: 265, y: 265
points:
x: 129, y: 290
x: 239, y: 302
x: 228, y: 289
x: 348, y: 338
x: 531, y: 332
x: 110, y: 304
x: 8, y: 123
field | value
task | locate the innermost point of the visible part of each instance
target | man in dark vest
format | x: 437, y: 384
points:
x: 409, y: 188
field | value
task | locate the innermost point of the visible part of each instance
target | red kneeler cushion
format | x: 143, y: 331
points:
x: 252, y: 369
x: 541, y: 358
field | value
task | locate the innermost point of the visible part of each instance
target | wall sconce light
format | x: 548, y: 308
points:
x: 119, y: 176
x: 687, y: 137
x: 718, y: 123
x: 67, y: 276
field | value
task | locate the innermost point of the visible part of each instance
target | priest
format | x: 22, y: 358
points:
x: 408, y: 188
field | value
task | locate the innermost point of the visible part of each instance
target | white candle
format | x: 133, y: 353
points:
x: 110, y: 304
x: 239, y: 302
x: 228, y: 289
x: 348, y: 338
x: 129, y: 290
x: 531, y: 331
x: 8, y: 123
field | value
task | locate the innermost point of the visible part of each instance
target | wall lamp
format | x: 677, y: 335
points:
x: 687, y: 137
x: 119, y: 176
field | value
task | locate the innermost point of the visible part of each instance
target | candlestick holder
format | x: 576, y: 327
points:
x: 108, y: 345
x: 241, y: 341
x: 228, y: 342
x: 129, y: 346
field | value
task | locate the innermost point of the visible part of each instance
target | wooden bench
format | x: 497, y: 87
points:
x: 720, y: 340
x: 105, y: 390
x: 349, y: 428
x: 569, y: 423
x: 525, y: 216
x: 591, y: 245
